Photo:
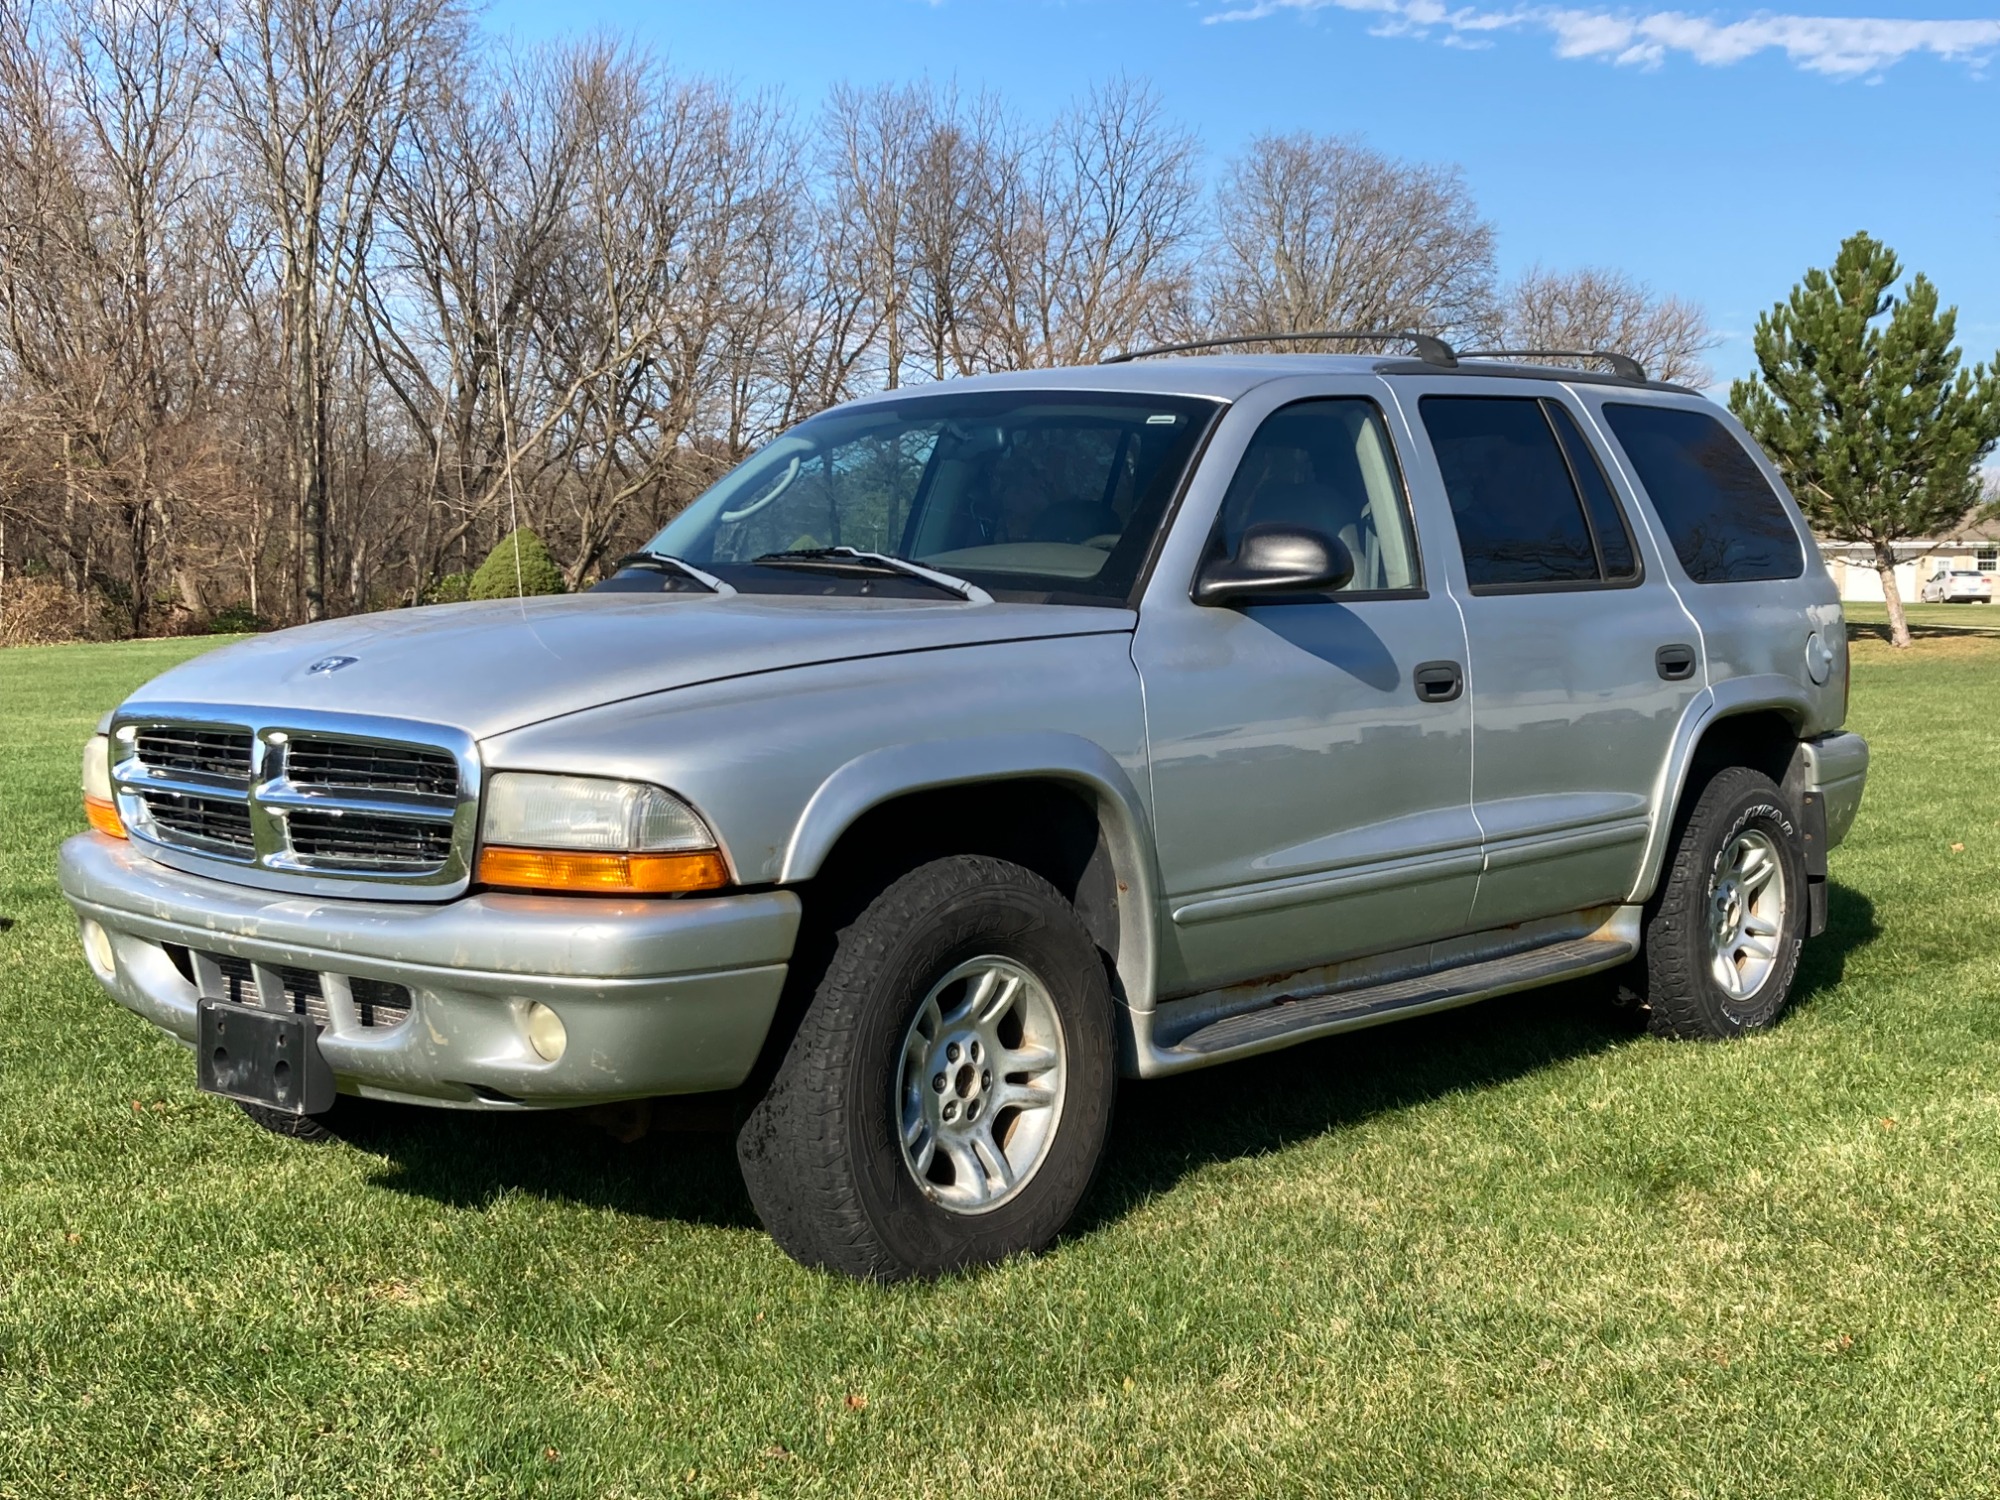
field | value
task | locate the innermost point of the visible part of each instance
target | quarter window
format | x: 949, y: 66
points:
x: 1514, y: 495
x: 1327, y: 464
x: 1726, y: 523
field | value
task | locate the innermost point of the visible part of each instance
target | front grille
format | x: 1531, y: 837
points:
x: 357, y: 766
x: 206, y: 823
x: 304, y: 995
x: 378, y: 1004
x: 382, y: 1005
x: 239, y: 980
x: 317, y: 802
x: 360, y: 839
x: 205, y: 752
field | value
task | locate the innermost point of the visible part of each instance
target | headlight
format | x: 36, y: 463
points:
x: 588, y: 833
x: 100, y: 807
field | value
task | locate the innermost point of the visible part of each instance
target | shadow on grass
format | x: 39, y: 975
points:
x: 1978, y: 628
x: 685, y: 1169
x: 1170, y: 1127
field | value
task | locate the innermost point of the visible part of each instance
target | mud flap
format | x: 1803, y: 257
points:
x: 1812, y: 846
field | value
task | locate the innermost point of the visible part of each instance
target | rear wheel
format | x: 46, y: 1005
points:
x: 946, y: 1098
x: 1723, y: 933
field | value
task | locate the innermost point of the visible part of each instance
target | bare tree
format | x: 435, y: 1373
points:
x: 315, y: 95
x: 1090, y: 236
x: 305, y: 303
x: 1323, y: 232
x: 1595, y: 308
x: 105, y: 260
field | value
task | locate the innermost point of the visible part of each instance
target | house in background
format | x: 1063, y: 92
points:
x: 1973, y: 544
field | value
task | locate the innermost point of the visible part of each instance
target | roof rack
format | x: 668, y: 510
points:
x: 1432, y: 351
x: 1624, y: 366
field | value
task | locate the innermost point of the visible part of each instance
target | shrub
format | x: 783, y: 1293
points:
x: 453, y: 588
x: 499, y: 578
x: 235, y: 619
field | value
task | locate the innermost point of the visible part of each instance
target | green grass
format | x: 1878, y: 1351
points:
x: 1516, y: 1249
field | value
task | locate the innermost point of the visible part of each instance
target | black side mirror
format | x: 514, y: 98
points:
x: 1273, y: 560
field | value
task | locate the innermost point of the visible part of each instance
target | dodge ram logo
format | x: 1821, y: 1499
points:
x: 332, y: 663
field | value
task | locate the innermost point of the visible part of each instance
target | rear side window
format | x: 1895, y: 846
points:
x: 1514, y: 493
x: 1726, y: 522
x: 1614, y: 537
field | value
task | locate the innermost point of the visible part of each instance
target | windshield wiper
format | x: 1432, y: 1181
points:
x: 853, y: 560
x: 646, y: 557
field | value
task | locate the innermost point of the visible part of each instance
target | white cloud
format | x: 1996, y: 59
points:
x: 1840, y: 47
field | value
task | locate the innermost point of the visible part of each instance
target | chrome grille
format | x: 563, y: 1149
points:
x: 205, y: 752
x: 209, y: 823
x: 358, y: 766
x: 345, y: 838
x: 302, y: 796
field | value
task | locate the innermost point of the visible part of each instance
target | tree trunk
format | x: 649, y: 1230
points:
x: 1899, y: 627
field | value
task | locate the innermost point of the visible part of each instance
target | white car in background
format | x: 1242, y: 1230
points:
x: 1957, y: 586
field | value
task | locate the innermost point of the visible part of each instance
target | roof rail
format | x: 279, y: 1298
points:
x: 1624, y: 366
x: 1432, y: 351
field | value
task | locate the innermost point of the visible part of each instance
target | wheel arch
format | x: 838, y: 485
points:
x: 1029, y: 797
x: 1746, y: 721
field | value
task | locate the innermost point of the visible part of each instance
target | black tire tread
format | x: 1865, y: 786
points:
x: 1676, y: 984
x: 793, y: 1145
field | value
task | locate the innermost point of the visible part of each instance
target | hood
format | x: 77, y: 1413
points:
x: 488, y: 667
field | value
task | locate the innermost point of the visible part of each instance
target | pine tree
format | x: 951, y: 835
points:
x: 520, y: 564
x: 1864, y: 407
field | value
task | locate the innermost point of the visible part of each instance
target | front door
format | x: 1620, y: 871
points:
x: 1311, y: 801
x: 1583, y: 657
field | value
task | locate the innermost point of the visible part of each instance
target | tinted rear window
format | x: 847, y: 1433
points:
x: 1726, y: 522
x: 1520, y: 522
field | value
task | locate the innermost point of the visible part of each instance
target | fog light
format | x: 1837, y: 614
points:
x: 97, y: 948
x: 546, y: 1033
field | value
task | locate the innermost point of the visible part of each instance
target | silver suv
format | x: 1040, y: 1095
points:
x: 971, y: 746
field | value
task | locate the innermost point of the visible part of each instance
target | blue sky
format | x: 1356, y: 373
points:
x: 1713, y: 152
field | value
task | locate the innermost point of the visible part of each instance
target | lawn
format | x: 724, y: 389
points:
x: 1515, y: 1249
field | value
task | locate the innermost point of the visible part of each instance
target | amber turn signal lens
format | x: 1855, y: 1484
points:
x: 103, y: 816
x: 601, y: 874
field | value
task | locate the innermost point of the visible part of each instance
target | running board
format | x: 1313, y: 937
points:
x: 1305, y: 1012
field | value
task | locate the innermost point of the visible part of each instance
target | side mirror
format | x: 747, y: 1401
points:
x: 1273, y: 560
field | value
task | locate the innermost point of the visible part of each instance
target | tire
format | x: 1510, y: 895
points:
x: 1708, y: 919
x: 885, y: 1053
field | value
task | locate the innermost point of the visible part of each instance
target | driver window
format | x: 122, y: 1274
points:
x: 1327, y: 464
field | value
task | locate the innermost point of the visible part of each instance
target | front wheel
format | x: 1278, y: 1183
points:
x: 946, y: 1098
x: 1724, y: 931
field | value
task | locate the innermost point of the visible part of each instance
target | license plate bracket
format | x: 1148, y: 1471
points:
x: 261, y: 1057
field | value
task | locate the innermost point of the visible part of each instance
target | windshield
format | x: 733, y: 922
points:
x: 1051, y: 496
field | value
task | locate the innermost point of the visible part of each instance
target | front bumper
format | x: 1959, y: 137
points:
x: 657, y: 996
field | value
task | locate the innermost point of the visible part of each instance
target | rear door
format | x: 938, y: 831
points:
x: 1583, y: 659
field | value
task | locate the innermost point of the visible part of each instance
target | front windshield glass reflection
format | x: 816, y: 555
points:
x: 1050, y: 495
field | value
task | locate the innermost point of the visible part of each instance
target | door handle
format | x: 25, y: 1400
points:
x: 1675, y: 663
x: 1438, y: 681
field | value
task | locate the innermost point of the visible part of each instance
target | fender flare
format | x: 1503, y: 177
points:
x: 879, y: 776
x: 1729, y: 699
